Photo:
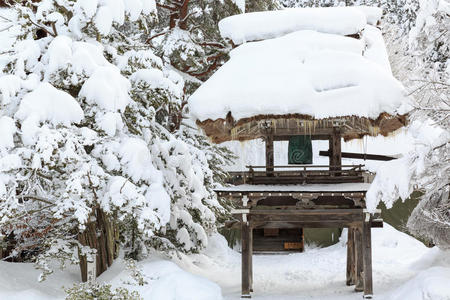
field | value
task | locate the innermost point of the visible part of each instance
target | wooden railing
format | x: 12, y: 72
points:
x: 298, y: 174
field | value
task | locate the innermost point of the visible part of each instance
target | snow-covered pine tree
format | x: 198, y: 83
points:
x: 89, y: 156
x: 430, y: 52
x: 187, y: 36
x: 401, y: 13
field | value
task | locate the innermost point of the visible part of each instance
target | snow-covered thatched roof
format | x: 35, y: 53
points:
x: 308, y: 67
x: 270, y: 24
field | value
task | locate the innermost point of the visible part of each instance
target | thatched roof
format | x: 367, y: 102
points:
x: 304, y: 82
x: 282, y: 126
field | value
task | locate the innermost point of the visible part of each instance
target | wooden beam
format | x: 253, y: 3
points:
x: 245, y: 255
x: 350, y: 257
x: 313, y: 137
x: 335, y: 150
x: 269, y: 155
x: 234, y: 224
x: 317, y: 224
x: 367, y: 257
x: 326, y: 213
x: 359, y: 283
x: 360, y: 156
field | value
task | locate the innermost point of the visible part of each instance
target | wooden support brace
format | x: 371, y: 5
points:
x: 367, y: 257
x: 350, y: 257
x: 245, y: 254
x: 359, y: 283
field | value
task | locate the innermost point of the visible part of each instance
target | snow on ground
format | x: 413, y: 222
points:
x: 320, y: 273
x: 403, y: 268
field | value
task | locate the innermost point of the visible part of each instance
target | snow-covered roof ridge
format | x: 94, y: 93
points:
x: 270, y: 24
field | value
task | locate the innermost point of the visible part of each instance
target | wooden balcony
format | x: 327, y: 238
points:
x: 299, y: 174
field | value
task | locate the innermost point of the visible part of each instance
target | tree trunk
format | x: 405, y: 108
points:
x: 178, y: 15
x: 102, y: 235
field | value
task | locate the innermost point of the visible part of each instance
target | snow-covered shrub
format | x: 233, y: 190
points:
x: 92, y: 139
x: 97, y: 291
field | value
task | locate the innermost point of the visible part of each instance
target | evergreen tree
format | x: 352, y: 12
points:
x: 94, y: 149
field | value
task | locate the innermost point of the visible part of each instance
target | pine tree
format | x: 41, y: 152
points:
x: 94, y: 151
x: 187, y: 36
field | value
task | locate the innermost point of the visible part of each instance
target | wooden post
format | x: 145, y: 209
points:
x: 245, y: 254
x: 269, y: 155
x: 250, y: 256
x: 367, y: 256
x: 335, y: 150
x: 350, y: 257
x: 359, y: 283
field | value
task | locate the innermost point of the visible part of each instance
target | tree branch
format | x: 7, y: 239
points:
x: 155, y: 36
x: 167, y: 7
x: 37, y: 198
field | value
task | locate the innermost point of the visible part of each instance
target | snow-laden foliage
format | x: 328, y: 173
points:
x: 187, y: 36
x: 417, y: 34
x: 422, y: 62
x: 100, y: 292
x: 428, y: 42
x: 399, y: 12
x: 91, y: 118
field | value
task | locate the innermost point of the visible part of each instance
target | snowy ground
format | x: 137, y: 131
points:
x: 403, y: 268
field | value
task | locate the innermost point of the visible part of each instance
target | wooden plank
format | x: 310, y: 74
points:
x: 233, y: 224
x: 271, y: 231
x: 359, y: 283
x: 360, y: 156
x: 350, y: 257
x: 318, y: 224
x: 293, y: 245
x: 367, y: 257
x: 313, y: 137
x: 306, y: 167
x: 245, y: 256
x: 354, y: 212
x: 301, y: 180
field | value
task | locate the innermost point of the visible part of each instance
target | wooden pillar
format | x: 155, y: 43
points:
x: 359, y: 283
x: 367, y: 257
x: 250, y: 257
x: 245, y: 254
x: 335, y: 149
x: 269, y: 155
x: 350, y: 257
